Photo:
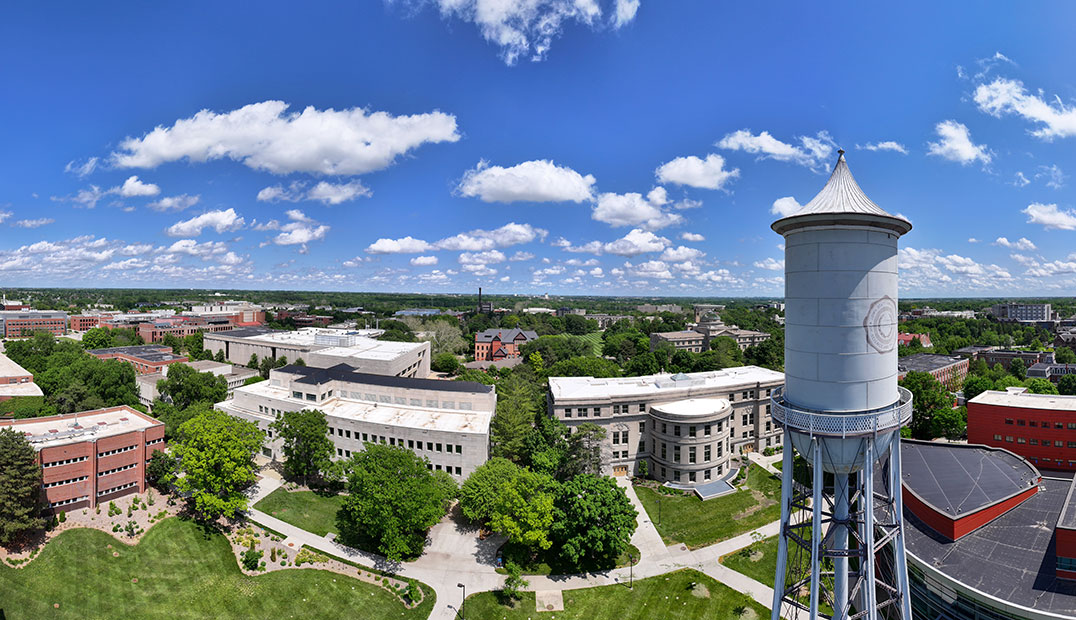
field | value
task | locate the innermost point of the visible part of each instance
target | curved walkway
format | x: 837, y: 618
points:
x: 454, y: 555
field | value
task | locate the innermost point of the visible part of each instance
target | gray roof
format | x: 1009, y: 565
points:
x: 504, y: 335
x: 841, y: 201
x: 926, y: 362
x: 146, y: 352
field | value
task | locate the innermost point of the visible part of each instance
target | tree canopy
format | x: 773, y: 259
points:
x: 216, y: 456
x: 307, y: 447
x: 184, y: 386
x: 929, y: 398
x: 593, y: 520
x: 512, y: 500
x: 20, y: 486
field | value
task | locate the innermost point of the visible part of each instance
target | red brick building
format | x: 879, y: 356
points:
x: 949, y: 371
x: 498, y: 344
x: 905, y: 339
x: 146, y: 358
x: 302, y: 319
x: 181, y: 327
x: 24, y: 323
x: 83, y: 322
x: 1039, y: 427
x: 91, y: 457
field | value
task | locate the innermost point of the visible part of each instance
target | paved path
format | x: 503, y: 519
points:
x: 454, y: 555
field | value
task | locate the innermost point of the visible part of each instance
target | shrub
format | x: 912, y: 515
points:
x: 63, y: 516
x: 272, y: 554
x: 767, y: 452
x: 151, y: 500
x: 250, y: 559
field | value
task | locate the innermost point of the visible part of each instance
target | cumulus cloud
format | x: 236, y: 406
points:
x: 220, y: 221
x: 690, y: 236
x: 324, y: 192
x: 472, y: 241
x: 655, y: 269
x: 404, y: 245
x: 632, y: 209
x: 770, y: 264
x: 955, y: 144
x: 134, y: 187
x: 1020, y: 244
x: 265, y: 136
x: 636, y: 242
x: 36, y: 223
x: 521, y: 256
x: 1006, y: 96
x: 174, y: 203
x: 709, y: 173
x: 530, y: 181
x: 424, y: 261
x: 4, y: 215
x: 887, y: 145
x: 681, y: 253
x: 785, y: 206
x: 300, y: 230
x: 812, y: 152
x: 1050, y: 217
x: 482, y: 258
x: 527, y: 29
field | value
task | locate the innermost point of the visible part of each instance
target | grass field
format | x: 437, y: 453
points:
x: 304, y: 509
x: 550, y: 566
x: 182, y: 572
x: 760, y: 569
x: 688, y: 520
x: 667, y: 597
x: 595, y: 340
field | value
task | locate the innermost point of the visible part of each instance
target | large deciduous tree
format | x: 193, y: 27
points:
x: 20, y: 486
x: 97, y: 338
x: 216, y: 456
x: 392, y: 503
x: 594, y: 520
x: 512, y: 500
x: 929, y: 397
x: 185, y: 386
x: 307, y: 446
x: 516, y: 406
x: 974, y: 385
x: 1067, y: 385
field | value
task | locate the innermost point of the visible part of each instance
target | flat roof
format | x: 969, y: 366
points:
x: 148, y: 352
x: 20, y: 389
x: 926, y: 362
x: 681, y: 335
x: 693, y: 406
x: 960, y: 479
x: 362, y: 347
x: 343, y: 372
x: 655, y: 385
x: 370, y: 349
x: 75, y: 427
x: 9, y: 368
x: 1027, y: 400
x: 1067, y: 520
x: 448, y: 420
x: 1012, y: 557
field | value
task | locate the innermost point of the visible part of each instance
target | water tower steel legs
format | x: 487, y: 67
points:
x: 816, y: 526
x: 786, y: 512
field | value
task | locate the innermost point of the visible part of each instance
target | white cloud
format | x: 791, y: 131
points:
x: 4, y: 215
x: 521, y: 256
x: 193, y: 248
x: 955, y: 144
x: 1050, y: 217
x: 87, y: 198
x: 597, y: 272
x: 220, y: 221
x: 690, y: 236
x: 424, y: 261
x: 334, y: 194
x: 174, y: 203
x: 887, y: 145
x: 1022, y: 243
x: 785, y: 206
x: 709, y: 173
x: 527, y: 29
x: 632, y: 209
x: 482, y: 258
x: 81, y: 169
x: 300, y: 230
x: 681, y: 253
x: 650, y: 269
x: 813, y: 152
x: 473, y: 241
x: 530, y: 181
x: 1020, y: 180
x: 972, y: 240
x: 770, y: 264
x: 37, y: 223
x: 1005, y: 96
x: 134, y: 187
x: 636, y: 242
x: 405, y: 245
x: 1055, y: 178
x: 128, y: 264
x: 264, y: 136
x: 1053, y: 268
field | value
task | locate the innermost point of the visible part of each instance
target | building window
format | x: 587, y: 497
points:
x: 567, y: 412
x: 662, y: 472
x: 642, y: 407
x: 663, y: 454
x: 429, y: 446
x: 458, y: 470
x: 691, y: 431
x: 311, y: 396
x: 1021, y: 423
x: 1072, y: 444
x: 676, y: 430
x: 664, y: 429
x: 676, y: 453
x: 706, y: 475
x: 706, y: 430
x: 1008, y: 420
x: 1059, y: 444
x: 691, y: 454
x: 1022, y: 440
x: 676, y: 475
x: 1033, y: 442
x: 642, y: 427
x: 997, y: 437
x: 706, y: 454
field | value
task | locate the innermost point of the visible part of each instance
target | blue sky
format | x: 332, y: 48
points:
x: 560, y: 146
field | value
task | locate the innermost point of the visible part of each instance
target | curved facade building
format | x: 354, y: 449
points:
x: 691, y: 439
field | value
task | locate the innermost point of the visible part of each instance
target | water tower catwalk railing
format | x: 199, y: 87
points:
x: 839, y: 560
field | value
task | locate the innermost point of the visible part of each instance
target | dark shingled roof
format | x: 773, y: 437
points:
x: 343, y: 372
x: 506, y: 335
x: 926, y: 362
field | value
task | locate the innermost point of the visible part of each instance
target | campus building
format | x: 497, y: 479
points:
x: 23, y: 323
x: 446, y: 422
x: 16, y: 380
x: 1038, y: 427
x: 1022, y: 313
x: 685, y: 425
x: 323, y: 348
x: 239, y: 313
x: 146, y: 358
x: 905, y: 339
x: 236, y: 376
x: 1051, y: 372
x: 988, y: 536
x: 91, y: 457
x: 1005, y: 357
x: 744, y: 338
x: 83, y: 322
x: 687, y: 340
x: 498, y: 344
x: 949, y: 371
x: 181, y: 327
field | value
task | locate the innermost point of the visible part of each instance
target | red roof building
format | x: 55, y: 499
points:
x: 904, y: 339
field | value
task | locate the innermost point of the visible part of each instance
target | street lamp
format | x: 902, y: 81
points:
x: 463, y: 605
x: 631, y: 571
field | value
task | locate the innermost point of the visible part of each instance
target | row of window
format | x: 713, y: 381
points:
x: 116, y: 451
x: 60, y: 483
x: 118, y: 469
x: 77, y: 459
x: 392, y: 441
x: 155, y: 441
x: 707, y: 453
x: 119, y: 488
x: 691, y: 475
x: 1044, y: 424
x: 692, y: 431
x: 1066, y: 563
x: 1035, y: 442
x: 432, y: 403
x: 620, y: 454
x: 64, y: 502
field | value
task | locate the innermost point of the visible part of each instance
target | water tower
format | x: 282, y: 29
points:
x: 841, y: 545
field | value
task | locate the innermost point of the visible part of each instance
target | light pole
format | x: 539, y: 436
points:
x: 631, y: 571
x: 463, y: 605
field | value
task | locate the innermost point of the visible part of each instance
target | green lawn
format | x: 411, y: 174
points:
x: 551, y: 566
x: 595, y: 340
x: 182, y: 572
x: 761, y: 569
x: 304, y: 509
x: 667, y: 597
x: 691, y: 521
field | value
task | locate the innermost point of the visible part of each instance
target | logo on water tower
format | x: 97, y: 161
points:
x: 881, y: 324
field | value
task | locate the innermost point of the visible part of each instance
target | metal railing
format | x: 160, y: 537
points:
x: 841, y: 424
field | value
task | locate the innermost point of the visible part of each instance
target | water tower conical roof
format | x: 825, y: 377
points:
x: 841, y: 203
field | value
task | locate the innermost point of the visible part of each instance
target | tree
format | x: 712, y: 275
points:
x: 267, y: 364
x: 577, y: 324
x: 445, y: 362
x: 307, y: 446
x: 172, y: 342
x: 594, y: 520
x: 219, y: 357
x: 20, y: 486
x: 195, y: 346
x: 1018, y: 368
x: 1039, y: 385
x: 216, y: 456
x: 97, y: 338
x: 588, y: 366
x: 584, y: 451
x: 185, y: 386
x: 1064, y: 355
x: 514, y: 582
x: 769, y: 353
x: 517, y: 403
x: 949, y: 423
x: 929, y: 397
x: 1067, y: 385
x: 253, y: 362
x: 973, y: 386
x: 643, y: 364
x: 512, y: 500
x: 393, y: 501
x: 1007, y: 381
x: 479, y: 492
x: 161, y: 470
